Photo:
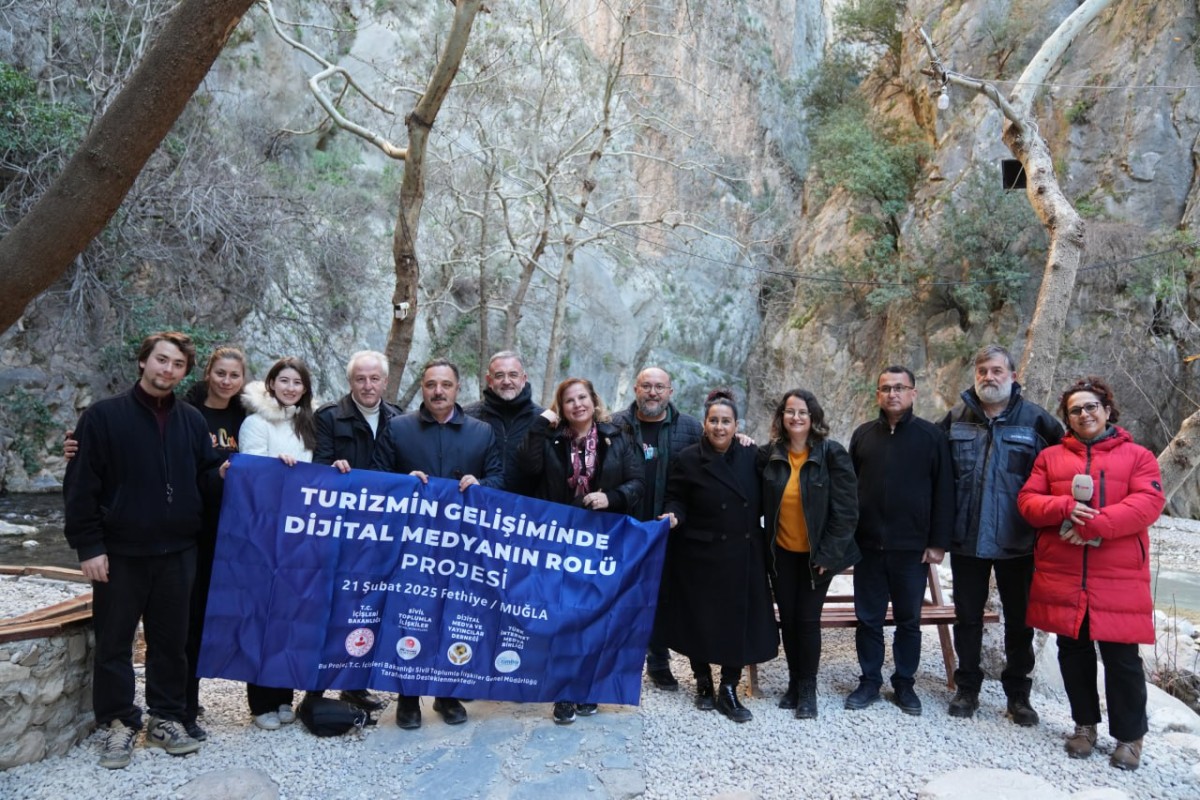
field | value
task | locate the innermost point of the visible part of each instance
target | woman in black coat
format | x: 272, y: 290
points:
x: 719, y: 608
x: 810, y: 499
x: 574, y: 456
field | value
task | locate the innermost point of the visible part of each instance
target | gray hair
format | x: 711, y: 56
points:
x: 375, y: 354
x: 506, y: 354
x: 993, y: 350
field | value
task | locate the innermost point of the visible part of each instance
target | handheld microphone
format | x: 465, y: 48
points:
x: 1082, y: 489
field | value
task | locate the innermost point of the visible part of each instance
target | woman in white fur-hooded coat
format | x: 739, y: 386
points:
x: 281, y: 419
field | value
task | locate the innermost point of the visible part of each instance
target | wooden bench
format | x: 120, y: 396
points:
x: 838, y: 612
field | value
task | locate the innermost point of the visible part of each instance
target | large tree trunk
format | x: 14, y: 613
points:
x: 412, y: 192
x: 94, y: 183
x: 1063, y: 224
x: 1181, y: 457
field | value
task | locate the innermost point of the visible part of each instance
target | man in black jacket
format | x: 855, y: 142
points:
x: 132, y: 513
x: 995, y: 435
x: 507, y: 405
x: 346, y: 434
x: 663, y: 432
x: 441, y: 441
x: 905, y: 514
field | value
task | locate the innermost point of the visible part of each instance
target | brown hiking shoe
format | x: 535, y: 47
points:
x: 1081, y: 743
x: 1128, y: 755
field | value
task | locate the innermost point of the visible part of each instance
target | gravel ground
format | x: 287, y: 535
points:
x: 662, y: 749
x: 22, y: 594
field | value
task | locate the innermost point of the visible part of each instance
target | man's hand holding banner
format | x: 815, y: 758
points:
x: 373, y: 580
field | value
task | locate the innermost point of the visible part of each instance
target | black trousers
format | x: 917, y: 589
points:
x: 971, y: 584
x: 799, y: 613
x: 155, y: 590
x: 1124, y: 683
x: 899, y: 576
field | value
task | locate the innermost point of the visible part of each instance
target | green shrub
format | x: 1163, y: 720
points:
x: 32, y: 423
x: 873, y: 22
x: 31, y: 127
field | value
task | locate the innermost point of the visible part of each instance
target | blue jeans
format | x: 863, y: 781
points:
x: 898, y: 575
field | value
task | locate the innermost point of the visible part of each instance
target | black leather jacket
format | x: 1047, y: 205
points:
x: 830, y: 494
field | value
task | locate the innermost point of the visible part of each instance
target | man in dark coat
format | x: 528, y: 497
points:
x: 439, y: 440
x: 663, y: 432
x: 348, y: 429
x: 507, y: 405
x: 995, y: 435
x: 132, y: 512
x: 346, y: 434
x: 905, y: 513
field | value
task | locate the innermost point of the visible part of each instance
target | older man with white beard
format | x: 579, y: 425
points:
x: 995, y: 435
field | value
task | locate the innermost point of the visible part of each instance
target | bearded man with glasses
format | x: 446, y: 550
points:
x: 995, y: 435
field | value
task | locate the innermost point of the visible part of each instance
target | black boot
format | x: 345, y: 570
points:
x: 806, y: 706
x: 729, y: 705
x: 791, y: 696
x: 704, y: 692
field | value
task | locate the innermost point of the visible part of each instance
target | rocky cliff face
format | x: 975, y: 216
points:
x: 705, y: 229
x: 1121, y: 122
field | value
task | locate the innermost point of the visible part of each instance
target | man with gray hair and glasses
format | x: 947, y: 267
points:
x: 995, y: 435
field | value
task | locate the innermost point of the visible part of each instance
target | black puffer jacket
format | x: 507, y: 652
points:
x: 343, y: 433
x: 544, y: 459
x: 992, y: 459
x: 830, y: 495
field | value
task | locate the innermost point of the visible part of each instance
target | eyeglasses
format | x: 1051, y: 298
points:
x: 1086, y: 408
x: 789, y: 413
x: 653, y: 387
x: 895, y: 388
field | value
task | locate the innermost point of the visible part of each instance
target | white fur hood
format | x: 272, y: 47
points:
x: 256, y: 401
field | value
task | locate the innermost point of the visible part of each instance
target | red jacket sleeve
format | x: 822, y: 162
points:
x: 1037, y: 505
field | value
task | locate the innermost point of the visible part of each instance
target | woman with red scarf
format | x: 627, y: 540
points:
x: 573, y: 455
x: 1093, y: 498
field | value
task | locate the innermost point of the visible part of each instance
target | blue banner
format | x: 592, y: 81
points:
x: 375, y: 580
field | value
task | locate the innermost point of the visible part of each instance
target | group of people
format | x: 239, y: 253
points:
x: 752, y: 528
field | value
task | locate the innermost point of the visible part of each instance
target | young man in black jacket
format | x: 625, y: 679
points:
x: 133, y: 510
x: 905, y: 515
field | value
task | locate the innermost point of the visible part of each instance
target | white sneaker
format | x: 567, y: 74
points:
x: 268, y: 721
x: 286, y: 715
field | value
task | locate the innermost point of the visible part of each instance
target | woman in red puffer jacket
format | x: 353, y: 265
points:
x: 1091, y: 581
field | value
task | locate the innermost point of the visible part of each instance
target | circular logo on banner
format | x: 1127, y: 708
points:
x: 408, y: 647
x: 459, y: 653
x: 508, y: 661
x: 360, y: 641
